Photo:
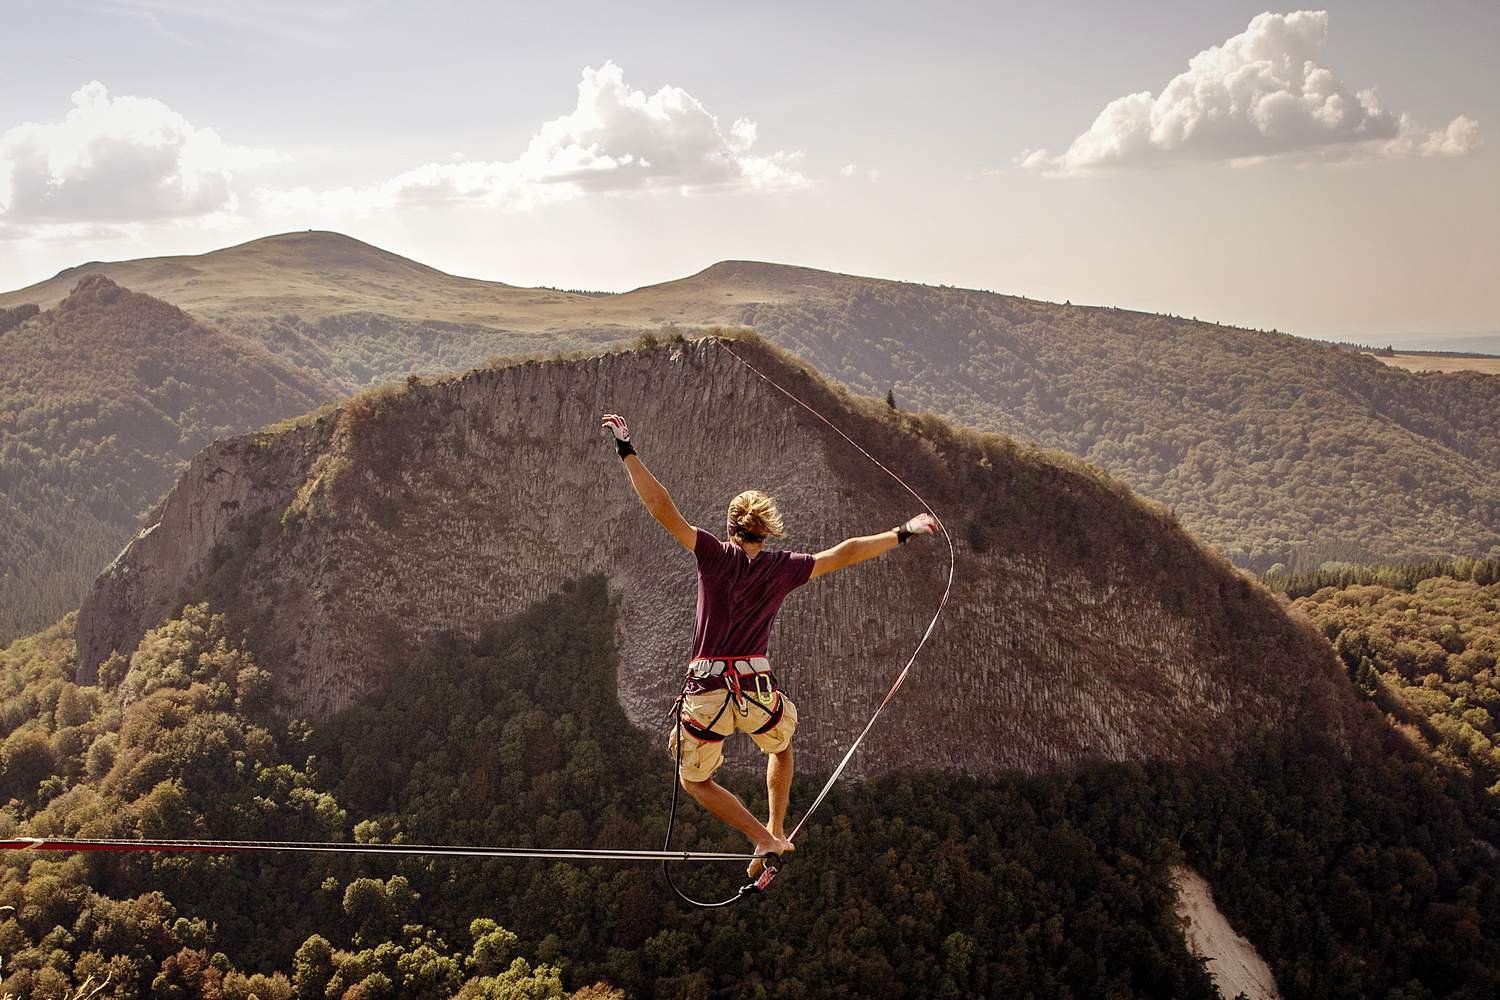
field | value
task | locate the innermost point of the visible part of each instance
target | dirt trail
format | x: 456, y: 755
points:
x: 1232, y: 961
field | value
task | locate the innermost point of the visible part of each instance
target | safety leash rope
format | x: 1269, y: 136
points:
x: 774, y: 862
x: 942, y: 603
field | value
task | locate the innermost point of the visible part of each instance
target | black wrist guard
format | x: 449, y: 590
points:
x: 624, y: 448
x: 902, y: 535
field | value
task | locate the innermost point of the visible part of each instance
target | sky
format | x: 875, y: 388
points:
x: 1329, y: 172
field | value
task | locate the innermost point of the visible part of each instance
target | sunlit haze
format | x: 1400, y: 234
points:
x: 1328, y: 172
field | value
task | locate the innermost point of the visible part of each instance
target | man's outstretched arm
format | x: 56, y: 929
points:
x: 653, y: 494
x: 857, y: 550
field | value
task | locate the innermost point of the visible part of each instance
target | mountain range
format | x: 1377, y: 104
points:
x: 1284, y: 453
x: 434, y: 611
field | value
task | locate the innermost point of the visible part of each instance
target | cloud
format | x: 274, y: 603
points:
x: 615, y: 140
x: 853, y: 171
x: 116, y: 161
x: 1263, y: 94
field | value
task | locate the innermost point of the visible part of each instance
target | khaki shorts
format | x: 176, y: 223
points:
x: 701, y: 758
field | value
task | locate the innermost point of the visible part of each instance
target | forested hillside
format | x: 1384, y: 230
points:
x: 102, y: 400
x: 1177, y: 715
x: 1427, y: 653
x: 357, y: 351
x: 1277, y: 449
x: 1356, y: 867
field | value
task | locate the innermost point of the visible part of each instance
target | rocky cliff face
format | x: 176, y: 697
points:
x: 1083, y: 624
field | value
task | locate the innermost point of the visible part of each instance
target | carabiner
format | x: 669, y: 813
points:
x: 765, y: 688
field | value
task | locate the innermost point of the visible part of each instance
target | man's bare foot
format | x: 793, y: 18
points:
x: 775, y: 845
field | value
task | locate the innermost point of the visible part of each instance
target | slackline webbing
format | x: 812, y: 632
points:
x: 313, y: 847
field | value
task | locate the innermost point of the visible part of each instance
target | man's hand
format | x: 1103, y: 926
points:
x: 922, y: 524
x: 652, y: 493
x: 851, y: 551
x: 615, y: 424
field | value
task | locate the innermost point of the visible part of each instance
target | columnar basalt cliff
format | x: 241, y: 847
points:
x: 1084, y: 623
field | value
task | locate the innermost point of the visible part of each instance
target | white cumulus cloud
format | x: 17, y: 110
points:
x: 116, y: 161
x: 1262, y: 94
x: 616, y: 139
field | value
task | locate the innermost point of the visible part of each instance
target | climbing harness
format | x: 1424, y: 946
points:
x: 731, y: 674
x: 773, y: 863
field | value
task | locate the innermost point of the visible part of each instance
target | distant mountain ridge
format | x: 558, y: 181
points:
x: 315, y: 274
x: 1084, y: 625
x: 1276, y: 449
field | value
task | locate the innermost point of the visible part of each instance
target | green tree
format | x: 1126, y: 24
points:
x: 312, y: 968
x: 494, y: 947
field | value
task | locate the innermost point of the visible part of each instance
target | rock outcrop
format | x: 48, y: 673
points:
x: 1084, y: 624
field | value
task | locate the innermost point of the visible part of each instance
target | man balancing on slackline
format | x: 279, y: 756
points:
x: 729, y: 685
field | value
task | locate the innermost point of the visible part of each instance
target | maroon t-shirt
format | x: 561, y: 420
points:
x: 738, y: 597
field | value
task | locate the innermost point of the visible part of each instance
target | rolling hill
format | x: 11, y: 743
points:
x: 359, y: 315
x: 318, y: 274
x: 1276, y: 449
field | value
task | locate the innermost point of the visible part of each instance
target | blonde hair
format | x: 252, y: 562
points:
x: 756, y: 513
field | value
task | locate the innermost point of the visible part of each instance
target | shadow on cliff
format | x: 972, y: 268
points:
x: 1333, y: 855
